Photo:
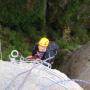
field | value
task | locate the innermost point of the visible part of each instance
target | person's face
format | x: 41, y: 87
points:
x: 42, y: 48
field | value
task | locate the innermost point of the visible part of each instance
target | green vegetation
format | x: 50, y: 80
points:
x: 12, y: 40
x: 23, y: 22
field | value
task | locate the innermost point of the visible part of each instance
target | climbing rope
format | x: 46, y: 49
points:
x: 26, y: 77
x: 64, y: 82
x: 13, y: 57
x: 61, y: 82
x: 35, y: 65
x: 21, y: 85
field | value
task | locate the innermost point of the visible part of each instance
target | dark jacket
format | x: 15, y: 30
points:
x: 50, y: 52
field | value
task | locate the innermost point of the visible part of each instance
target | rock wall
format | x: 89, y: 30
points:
x: 77, y: 65
x: 30, y: 76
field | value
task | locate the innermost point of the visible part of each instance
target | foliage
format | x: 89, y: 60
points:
x: 81, y: 35
x: 71, y: 14
x: 12, y: 40
x: 26, y: 24
x: 15, y: 14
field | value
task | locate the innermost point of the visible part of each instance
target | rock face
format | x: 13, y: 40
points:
x: 30, y: 76
x: 77, y: 65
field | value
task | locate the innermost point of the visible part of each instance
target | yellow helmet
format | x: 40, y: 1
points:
x: 44, y: 42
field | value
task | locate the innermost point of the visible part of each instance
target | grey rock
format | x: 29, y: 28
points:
x: 30, y: 76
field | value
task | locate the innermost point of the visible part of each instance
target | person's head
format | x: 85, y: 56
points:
x: 43, y: 44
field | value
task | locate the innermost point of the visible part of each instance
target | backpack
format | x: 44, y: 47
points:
x: 51, y: 52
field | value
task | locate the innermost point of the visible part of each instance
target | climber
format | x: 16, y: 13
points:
x: 43, y: 50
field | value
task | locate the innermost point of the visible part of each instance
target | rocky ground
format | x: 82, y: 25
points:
x: 28, y: 76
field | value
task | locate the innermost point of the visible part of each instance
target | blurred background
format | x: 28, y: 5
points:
x: 24, y: 22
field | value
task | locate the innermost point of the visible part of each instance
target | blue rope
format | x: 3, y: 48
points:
x: 83, y: 81
x: 13, y: 80
x: 64, y: 82
x: 25, y: 79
